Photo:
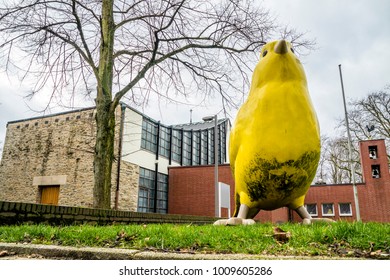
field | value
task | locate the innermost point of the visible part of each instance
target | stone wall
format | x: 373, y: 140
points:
x: 12, y: 213
x: 59, y: 150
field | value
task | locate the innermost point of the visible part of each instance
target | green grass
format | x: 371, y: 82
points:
x: 365, y: 240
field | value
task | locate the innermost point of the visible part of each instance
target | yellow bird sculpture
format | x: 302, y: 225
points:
x: 275, y: 141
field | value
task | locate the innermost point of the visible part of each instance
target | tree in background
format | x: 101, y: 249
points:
x: 334, y: 167
x: 109, y: 50
x: 369, y: 118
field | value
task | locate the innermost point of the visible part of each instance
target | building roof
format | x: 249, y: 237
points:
x: 52, y: 115
x: 198, y: 125
x: 187, y: 126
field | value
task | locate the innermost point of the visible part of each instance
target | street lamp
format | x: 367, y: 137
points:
x: 216, y: 191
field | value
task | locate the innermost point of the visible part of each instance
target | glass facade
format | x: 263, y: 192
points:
x: 186, y: 147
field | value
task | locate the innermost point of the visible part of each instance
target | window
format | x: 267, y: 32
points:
x: 187, y: 152
x: 327, y: 209
x: 164, y: 146
x: 176, y: 145
x: 372, y: 152
x: 149, y: 135
x: 146, y: 194
x: 196, y: 148
x: 312, y: 209
x: 375, y: 171
x: 205, y: 149
x: 162, y: 193
x: 146, y: 190
x: 222, y: 143
x: 211, y: 146
x: 345, y: 209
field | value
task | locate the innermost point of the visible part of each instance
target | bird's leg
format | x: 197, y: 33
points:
x: 307, y: 219
x: 241, y: 218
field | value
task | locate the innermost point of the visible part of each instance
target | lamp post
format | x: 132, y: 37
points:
x: 216, y: 191
x: 355, y: 193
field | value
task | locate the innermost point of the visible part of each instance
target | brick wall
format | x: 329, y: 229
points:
x: 59, y: 146
x: 17, y: 213
x: 191, y: 191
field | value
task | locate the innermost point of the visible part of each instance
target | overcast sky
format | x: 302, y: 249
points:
x: 353, y: 33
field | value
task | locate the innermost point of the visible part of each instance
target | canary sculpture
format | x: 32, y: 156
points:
x: 275, y: 141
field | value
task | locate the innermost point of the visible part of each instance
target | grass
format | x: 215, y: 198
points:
x: 361, y: 240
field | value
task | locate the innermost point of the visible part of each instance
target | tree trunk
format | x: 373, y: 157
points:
x: 104, y: 155
x: 105, y: 112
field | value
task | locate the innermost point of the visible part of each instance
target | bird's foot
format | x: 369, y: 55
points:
x: 234, y: 222
x: 308, y: 221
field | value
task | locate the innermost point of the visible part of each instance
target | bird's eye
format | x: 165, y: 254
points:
x: 292, y: 50
x: 265, y: 53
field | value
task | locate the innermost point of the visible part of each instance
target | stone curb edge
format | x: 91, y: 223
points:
x: 91, y: 253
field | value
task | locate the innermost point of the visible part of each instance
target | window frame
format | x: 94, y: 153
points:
x: 350, y: 209
x: 327, y: 214
x: 149, y: 135
x: 316, y: 208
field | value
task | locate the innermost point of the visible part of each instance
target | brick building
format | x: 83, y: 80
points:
x: 164, y: 169
x: 192, y: 191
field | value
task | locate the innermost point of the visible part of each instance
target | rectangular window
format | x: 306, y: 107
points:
x: 146, y: 194
x: 372, y: 152
x: 176, y: 145
x: 187, y: 148
x: 327, y: 209
x: 222, y: 143
x: 162, y: 193
x: 204, y: 141
x: 211, y: 146
x: 164, y: 144
x: 312, y: 209
x: 146, y: 190
x: 345, y: 209
x: 196, y: 148
x: 149, y: 135
x: 375, y: 171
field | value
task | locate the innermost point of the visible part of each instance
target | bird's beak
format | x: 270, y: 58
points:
x: 281, y: 47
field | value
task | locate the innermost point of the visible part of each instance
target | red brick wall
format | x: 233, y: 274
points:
x: 374, y: 199
x: 191, y: 191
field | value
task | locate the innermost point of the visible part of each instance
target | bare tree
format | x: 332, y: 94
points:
x: 133, y: 49
x: 370, y: 116
x: 334, y: 166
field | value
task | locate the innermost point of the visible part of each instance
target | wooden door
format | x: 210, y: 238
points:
x: 50, y: 194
